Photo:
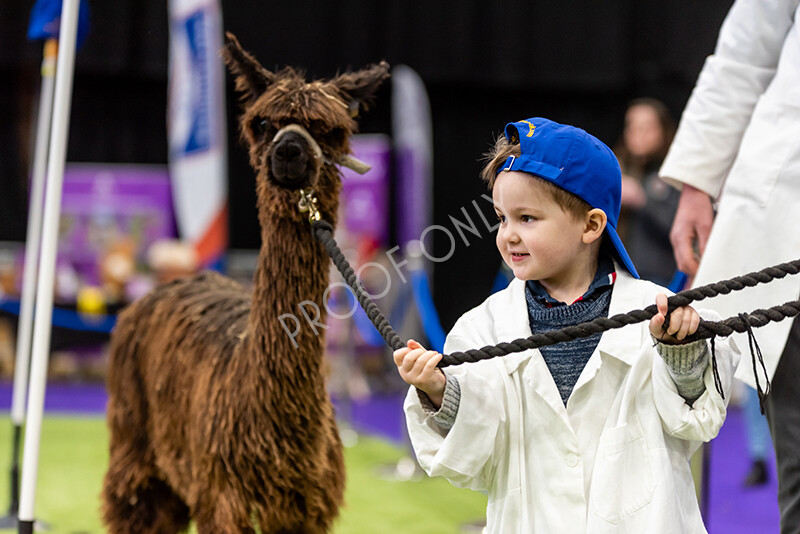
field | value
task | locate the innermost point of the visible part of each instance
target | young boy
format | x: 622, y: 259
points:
x: 589, y: 436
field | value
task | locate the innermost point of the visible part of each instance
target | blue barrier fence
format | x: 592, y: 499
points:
x: 72, y: 320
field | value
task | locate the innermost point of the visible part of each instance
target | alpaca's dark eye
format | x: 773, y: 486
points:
x: 337, y: 136
x: 260, y: 126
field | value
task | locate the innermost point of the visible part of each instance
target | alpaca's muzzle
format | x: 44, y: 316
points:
x: 292, y: 159
x: 293, y: 131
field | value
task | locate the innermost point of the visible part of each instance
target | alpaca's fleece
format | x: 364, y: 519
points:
x: 215, y: 416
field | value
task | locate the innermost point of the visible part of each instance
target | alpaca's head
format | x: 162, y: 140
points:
x: 298, y: 131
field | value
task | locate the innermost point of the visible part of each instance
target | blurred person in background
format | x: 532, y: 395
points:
x: 758, y: 439
x: 648, y: 202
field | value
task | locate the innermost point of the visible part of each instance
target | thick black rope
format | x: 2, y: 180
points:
x: 706, y: 330
x: 324, y: 232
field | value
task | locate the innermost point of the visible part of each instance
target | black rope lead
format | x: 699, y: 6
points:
x: 715, y: 369
x: 751, y: 340
x: 706, y: 330
x: 324, y: 232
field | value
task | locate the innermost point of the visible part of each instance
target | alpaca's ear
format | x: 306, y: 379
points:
x: 362, y: 85
x: 251, y: 78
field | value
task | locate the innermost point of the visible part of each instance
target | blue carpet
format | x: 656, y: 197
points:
x: 733, y: 508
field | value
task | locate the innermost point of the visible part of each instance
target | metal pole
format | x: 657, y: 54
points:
x: 44, y: 297
x: 32, y: 244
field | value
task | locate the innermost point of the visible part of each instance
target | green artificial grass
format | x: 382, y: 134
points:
x: 74, y: 453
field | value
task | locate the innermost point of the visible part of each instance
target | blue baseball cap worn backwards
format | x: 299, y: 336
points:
x: 575, y: 161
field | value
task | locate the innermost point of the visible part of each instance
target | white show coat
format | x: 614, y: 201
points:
x: 743, y: 122
x: 616, y: 460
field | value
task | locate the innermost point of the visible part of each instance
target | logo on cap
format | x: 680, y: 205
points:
x: 531, y: 128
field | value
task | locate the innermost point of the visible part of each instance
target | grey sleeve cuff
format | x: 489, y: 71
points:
x: 445, y: 416
x: 686, y: 365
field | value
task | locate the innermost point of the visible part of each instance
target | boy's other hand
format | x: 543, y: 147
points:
x: 417, y: 367
x: 682, y: 322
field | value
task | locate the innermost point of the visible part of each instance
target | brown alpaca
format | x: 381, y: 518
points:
x: 215, y: 417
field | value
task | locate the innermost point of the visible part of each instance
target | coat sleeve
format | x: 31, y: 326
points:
x: 702, y: 420
x: 732, y: 80
x: 465, y: 454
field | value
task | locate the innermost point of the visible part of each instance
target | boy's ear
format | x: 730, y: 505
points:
x: 596, y: 221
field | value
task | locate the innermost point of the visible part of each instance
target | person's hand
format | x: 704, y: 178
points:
x: 682, y: 322
x: 417, y: 367
x: 691, y: 228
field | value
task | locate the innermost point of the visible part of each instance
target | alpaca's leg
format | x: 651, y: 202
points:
x: 151, y: 508
x: 135, y: 500
x: 211, y: 527
x: 225, y: 513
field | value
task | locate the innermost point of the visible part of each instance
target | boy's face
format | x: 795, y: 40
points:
x: 536, y: 237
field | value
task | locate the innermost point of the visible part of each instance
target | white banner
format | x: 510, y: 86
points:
x: 196, y: 126
x: 413, y: 143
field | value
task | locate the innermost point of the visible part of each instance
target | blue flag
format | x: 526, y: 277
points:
x: 46, y: 20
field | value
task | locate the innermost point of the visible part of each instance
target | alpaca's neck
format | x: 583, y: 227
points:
x: 280, y: 368
x: 288, y: 310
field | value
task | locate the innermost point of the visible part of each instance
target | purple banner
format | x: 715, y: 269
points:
x: 365, y: 203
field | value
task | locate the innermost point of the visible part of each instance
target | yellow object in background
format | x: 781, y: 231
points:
x: 91, y: 301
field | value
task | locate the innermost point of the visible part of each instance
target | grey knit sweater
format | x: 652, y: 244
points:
x: 567, y: 359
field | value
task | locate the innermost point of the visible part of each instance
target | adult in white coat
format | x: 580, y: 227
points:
x: 738, y: 142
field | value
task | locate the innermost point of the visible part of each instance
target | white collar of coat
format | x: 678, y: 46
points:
x: 510, y: 312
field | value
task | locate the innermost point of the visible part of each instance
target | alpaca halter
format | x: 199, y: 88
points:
x: 345, y: 160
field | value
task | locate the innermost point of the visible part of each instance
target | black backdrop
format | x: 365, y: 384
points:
x: 484, y: 63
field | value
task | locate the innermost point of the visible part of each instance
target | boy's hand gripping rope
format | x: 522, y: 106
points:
x: 743, y: 323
